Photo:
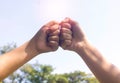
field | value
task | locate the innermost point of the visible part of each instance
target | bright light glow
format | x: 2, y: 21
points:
x: 54, y: 9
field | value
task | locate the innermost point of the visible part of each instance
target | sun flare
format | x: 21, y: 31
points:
x: 54, y: 9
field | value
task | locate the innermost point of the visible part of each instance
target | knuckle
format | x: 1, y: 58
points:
x: 66, y: 25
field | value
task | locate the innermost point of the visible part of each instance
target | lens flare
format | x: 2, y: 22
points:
x: 55, y: 9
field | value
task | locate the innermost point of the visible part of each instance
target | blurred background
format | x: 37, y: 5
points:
x: 100, y: 19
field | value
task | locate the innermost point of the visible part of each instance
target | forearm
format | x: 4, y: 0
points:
x: 102, y: 69
x: 11, y: 61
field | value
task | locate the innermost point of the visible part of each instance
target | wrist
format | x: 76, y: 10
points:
x: 31, y: 49
x: 81, y: 46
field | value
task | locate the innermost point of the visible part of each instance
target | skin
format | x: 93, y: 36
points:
x: 69, y: 35
x: 104, y: 71
x: 45, y: 40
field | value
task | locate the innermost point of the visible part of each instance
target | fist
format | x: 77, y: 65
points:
x: 65, y: 35
x: 53, y: 36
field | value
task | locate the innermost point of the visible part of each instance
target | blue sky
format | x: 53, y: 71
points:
x: 100, y: 19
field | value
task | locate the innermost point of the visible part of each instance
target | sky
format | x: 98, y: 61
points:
x: 100, y: 19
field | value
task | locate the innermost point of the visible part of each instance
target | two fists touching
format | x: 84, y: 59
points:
x: 67, y: 34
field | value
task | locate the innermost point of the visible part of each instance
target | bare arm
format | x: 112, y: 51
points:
x: 14, y: 59
x: 45, y: 40
x: 104, y: 71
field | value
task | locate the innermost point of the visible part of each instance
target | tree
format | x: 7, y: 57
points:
x: 37, y: 73
x: 75, y: 77
x: 80, y: 77
x: 91, y: 80
x: 61, y: 79
x: 57, y: 78
x: 31, y: 73
x: 7, y: 48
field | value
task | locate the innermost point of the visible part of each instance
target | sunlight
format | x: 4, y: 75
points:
x: 54, y: 9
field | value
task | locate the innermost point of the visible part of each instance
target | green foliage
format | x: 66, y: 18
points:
x: 61, y: 79
x: 7, y: 48
x: 52, y: 79
x: 37, y: 73
x: 57, y: 79
x: 76, y: 77
x: 91, y: 80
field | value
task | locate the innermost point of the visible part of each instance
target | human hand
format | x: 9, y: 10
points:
x: 47, y: 38
x: 65, y: 34
x: 71, y: 37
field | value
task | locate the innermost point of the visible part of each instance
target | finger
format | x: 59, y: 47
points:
x: 47, y: 26
x: 66, y: 20
x: 65, y: 44
x: 51, y: 34
x: 57, y: 32
x: 65, y: 25
x: 53, y: 45
x: 65, y: 30
x: 72, y: 22
x: 54, y: 27
x: 62, y: 44
x: 51, y: 23
x: 76, y: 29
x: 65, y: 36
x: 53, y: 38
